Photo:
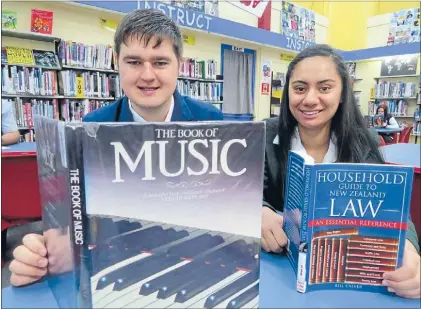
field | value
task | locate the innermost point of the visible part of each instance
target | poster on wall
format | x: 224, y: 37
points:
x: 9, y: 19
x: 399, y: 65
x: 298, y: 22
x: 404, y: 27
x: 255, y: 7
x: 209, y: 7
x: 41, y: 21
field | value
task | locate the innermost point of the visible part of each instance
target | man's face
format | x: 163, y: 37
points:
x: 148, y: 75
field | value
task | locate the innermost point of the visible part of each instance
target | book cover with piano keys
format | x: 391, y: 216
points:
x: 156, y: 215
x: 345, y: 223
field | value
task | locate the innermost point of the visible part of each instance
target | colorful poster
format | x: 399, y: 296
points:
x: 41, y: 21
x: 254, y: 7
x: 9, y: 19
x: 404, y: 27
x: 266, y: 71
x: 298, y: 22
x: 209, y: 7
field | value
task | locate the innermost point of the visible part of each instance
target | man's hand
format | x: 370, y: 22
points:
x: 30, y: 262
x: 405, y: 281
x: 273, y: 236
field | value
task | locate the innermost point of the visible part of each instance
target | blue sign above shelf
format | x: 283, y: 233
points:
x: 224, y: 27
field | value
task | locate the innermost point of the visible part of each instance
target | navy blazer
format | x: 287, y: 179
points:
x: 185, y: 109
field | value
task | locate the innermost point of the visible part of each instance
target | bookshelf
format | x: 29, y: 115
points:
x: 55, y: 92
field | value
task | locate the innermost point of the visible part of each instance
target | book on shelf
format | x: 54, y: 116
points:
x: 204, y: 91
x: 28, y: 81
x: 395, y: 107
x: 152, y: 214
x: 88, y: 84
x: 100, y: 56
x: 201, y: 69
x: 346, y: 224
x: 386, y: 89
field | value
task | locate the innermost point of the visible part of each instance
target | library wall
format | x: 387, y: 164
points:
x: 70, y: 22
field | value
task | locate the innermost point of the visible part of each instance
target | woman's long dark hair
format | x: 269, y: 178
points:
x: 354, y: 141
x: 386, y: 115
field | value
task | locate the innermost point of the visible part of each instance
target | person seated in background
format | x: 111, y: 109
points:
x: 9, y: 129
x: 385, y: 120
x: 319, y: 117
x: 149, y: 50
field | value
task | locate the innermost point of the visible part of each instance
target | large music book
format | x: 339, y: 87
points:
x: 152, y: 215
x: 345, y: 223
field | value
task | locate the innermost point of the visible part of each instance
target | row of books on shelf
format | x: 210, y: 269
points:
x: 64, y: 109
x: 22, y: 80
x: 193, y: 68
x: 385, y: 89
x: 100, y: 56
x: 89, y: 84
x: 395, y: 107
x: 201, y: 90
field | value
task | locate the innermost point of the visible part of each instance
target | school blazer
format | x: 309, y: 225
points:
x: 271, y: 194
x: 185, y: 109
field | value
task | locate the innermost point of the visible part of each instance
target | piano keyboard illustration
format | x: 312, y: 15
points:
x: 151, y: 265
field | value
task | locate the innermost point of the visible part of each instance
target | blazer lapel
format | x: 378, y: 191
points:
x: 125, y: 113
x: 181, y: 111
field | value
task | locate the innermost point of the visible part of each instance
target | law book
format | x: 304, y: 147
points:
x: 148, y: 215
x: 346, y: 223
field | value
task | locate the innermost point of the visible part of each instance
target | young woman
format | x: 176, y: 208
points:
x: 319, y: 116
x: 388, y: 121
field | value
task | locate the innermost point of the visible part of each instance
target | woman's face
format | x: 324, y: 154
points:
x: 380, y: 111
x: 315, y: 90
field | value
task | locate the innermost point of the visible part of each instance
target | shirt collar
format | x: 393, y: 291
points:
x: 296, y: 145
x: 138, y: 118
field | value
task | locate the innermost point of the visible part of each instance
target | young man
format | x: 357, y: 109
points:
x: 149, y: 49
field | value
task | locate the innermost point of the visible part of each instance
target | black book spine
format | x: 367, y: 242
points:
x: 79, y: 220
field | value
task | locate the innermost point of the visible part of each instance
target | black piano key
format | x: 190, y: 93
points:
x: 205, y: 282
x: 135, y: 274
x: 196, y: 245
x: 189, y: 248
x: 178, y: 283
x: 230, y: 289
x: 244, y: 297
x: 150, y: 238
x: 157, y: 283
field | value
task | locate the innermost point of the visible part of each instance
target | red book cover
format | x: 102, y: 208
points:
x: 41, y: 21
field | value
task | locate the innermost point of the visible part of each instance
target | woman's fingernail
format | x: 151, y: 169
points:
x: 385, y: 282
x: 42, y: 251
x: 391, y: 290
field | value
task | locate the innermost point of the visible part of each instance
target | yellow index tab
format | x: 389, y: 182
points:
x: 189, y: 39
x: 79, y: 87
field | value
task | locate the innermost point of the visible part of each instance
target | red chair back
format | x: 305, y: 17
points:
x: 404, y: 135
x: 382, y: 142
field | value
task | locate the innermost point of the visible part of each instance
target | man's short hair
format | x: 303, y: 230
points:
x: 145, y: 24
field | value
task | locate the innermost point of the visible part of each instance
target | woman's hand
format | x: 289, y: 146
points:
x: 273, y: 236
x: 405, y: 281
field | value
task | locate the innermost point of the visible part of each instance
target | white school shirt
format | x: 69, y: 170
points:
x: 296, y: 145
x: 138, y: 118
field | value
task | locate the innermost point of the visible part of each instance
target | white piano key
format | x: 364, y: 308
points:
x: 199, y: 300
x: 141, y: 301
x: 106, y: 271
x: 254, y: 303
x: 98, y: 295
x: 119, y: 299
x: 224, y: 304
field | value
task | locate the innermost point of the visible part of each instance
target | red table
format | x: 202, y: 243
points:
x: 21, y: 201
